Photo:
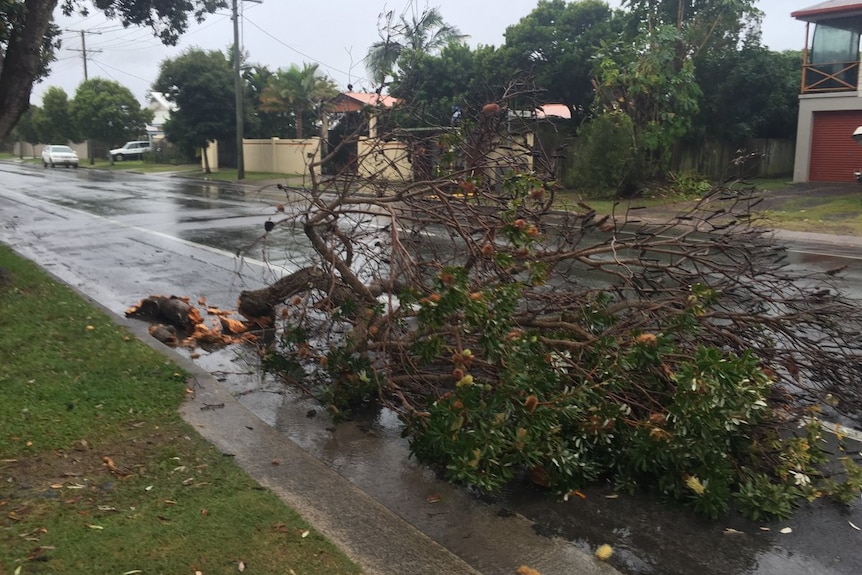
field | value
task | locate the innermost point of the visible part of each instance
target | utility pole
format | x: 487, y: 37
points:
x: 83, y: 52
x: 238, y: 92
x: 83, y: 49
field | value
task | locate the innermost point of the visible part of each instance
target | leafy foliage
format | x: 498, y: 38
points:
x: 648, y: 82
x: 108, y: 112
x: 299, y: 92
x: 167, y: 18
x: 56, y: 122
x: 201, y: 84
x: 559, y: 41
x: 677, y: 357
x: 403, y: 39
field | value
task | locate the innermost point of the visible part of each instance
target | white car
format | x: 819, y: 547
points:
x: 59, y: 156
x: 130, y: 150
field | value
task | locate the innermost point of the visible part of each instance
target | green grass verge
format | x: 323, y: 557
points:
x: 98, y: 473
x: 834, y: 214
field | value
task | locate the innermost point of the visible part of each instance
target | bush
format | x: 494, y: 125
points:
x: 605, y: 156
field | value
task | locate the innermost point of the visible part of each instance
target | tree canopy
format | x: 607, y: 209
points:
x: 424, y: 33
x: 297, y: 91
x: 201, y: 84
x: 28, y: 38
x: 107, y: 112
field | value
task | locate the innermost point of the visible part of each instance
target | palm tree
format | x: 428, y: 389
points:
x: 297, y: 91
x: 426, y: 33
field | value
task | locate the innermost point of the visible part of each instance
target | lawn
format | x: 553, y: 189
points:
x: 98, y: 473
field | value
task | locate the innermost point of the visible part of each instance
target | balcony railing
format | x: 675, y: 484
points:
x: 834, y: 77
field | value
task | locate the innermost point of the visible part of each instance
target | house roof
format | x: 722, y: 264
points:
x: 355, y: 101
x: 553, y: 111
x: 828, y: 10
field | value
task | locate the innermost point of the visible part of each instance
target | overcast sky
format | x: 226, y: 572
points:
x: 334, y: 33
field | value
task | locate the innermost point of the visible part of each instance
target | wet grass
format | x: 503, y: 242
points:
x: 98, y: 474
x: 833, y: 213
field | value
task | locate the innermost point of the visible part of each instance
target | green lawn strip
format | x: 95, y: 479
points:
x: 229, y: 175
x: 99, y: 474
x: 841, y: 214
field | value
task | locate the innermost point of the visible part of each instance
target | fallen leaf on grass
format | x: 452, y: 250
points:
x: 91, y: 526
x: 604, y: 552
x: 112, y: 467
x: 305, y: 534
x: 132, y: 572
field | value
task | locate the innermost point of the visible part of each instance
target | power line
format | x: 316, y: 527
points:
x: 303, y: 54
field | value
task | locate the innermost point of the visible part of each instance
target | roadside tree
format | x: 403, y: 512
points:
x: 107, y: 112
x: 402, y: 39
x: 558, y: 42
x: 201, y: 84
x: 56, y: 123
x: 28, y: 38
x: 299, y: 93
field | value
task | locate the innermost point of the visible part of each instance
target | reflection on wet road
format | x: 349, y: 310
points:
x: 120, y: 237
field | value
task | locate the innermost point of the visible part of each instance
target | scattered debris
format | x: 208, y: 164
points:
x: 176, y: 323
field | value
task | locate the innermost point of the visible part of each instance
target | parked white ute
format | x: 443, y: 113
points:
x: 59, y: 156
x: 130, y: 151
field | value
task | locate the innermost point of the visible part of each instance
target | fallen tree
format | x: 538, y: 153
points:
x: 568, y: 345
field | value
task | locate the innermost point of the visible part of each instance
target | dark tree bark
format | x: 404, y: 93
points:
x: 22, y: 62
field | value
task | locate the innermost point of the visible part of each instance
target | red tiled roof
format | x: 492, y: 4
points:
x: 373, y: 99
x: 553, y: 111
x: 829, y: 9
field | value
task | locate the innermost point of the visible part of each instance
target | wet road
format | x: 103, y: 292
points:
x: 121, y: 237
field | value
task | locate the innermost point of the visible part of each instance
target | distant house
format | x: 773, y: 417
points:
x: 347, y: 102
x: 162, y: 109
x: 830, y: 105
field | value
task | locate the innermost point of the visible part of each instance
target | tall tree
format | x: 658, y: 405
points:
x: 424, y: 33
x: 558, y: 42
x: 750, y: 92
x: 704, y: 24
x: 27, y: 38
x: 107, y: 112
x: 56, y: 123
x: 201, y: 84
x: 298, y: 91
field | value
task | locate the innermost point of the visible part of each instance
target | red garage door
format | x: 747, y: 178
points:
x: 834, y: 154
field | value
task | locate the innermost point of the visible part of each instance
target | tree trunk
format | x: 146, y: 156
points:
x: 21, y: 63
x: 259, y: 305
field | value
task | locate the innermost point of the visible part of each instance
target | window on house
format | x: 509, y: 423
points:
x: 834, y: 56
